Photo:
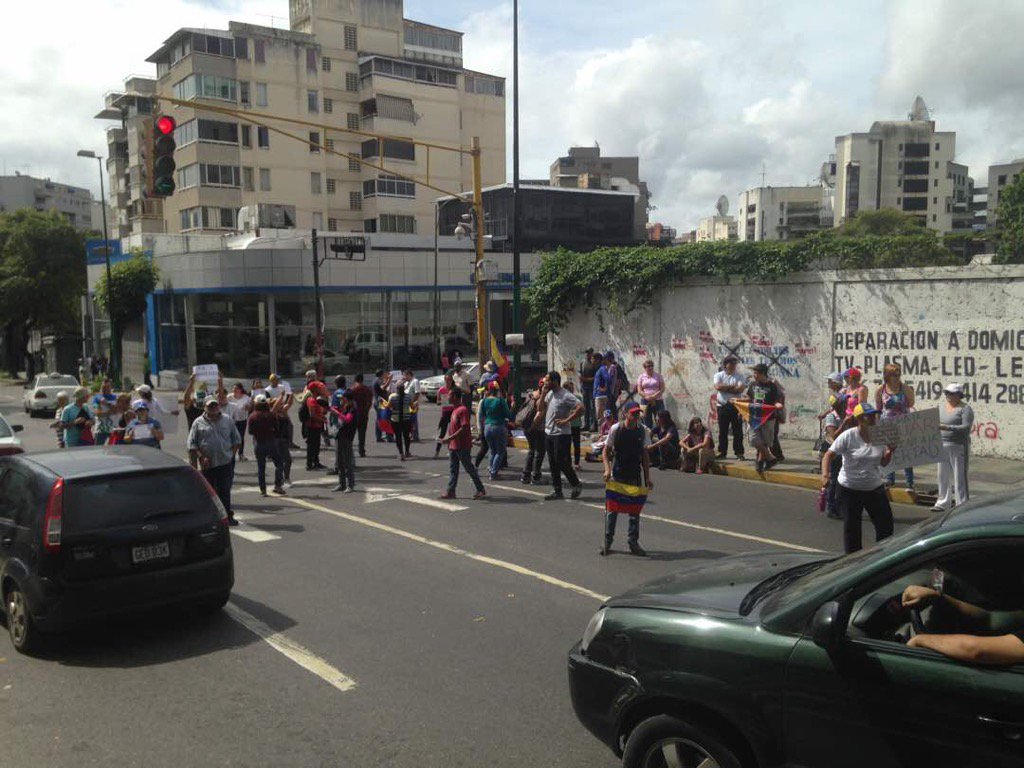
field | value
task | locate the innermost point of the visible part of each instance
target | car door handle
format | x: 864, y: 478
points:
x: 1009, y: 730
x: 6, y: 541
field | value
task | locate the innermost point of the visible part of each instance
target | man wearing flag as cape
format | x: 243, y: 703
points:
x: 760, y: 411
x: 627, y: 477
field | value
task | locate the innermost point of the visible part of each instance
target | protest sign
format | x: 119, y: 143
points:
x: 916, y: 437
x: 208, y: 372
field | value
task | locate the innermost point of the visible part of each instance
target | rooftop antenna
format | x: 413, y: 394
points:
x: 272, y: 18
x: 763, y: 173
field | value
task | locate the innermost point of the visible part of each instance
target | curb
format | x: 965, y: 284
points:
x: 806, y: 480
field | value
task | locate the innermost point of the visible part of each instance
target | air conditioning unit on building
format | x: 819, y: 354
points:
x: 253, y: 217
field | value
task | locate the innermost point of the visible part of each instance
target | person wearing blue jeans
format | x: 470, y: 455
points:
x: 460, y: 444
x: 494, y: 417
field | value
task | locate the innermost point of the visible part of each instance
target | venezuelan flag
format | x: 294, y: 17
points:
x: 504, y: 366
x: 625, y: 498
x: 755, y: 414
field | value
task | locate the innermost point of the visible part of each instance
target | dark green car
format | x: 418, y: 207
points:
x: 794, y: 660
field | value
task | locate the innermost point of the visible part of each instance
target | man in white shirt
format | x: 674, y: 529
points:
x: 729, y: 386
x: 562, y: 407
x: 412, y: 390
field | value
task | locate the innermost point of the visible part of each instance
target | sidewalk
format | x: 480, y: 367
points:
x: 802, y: 469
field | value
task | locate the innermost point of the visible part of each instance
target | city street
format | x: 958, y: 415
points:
x: 383, y: 627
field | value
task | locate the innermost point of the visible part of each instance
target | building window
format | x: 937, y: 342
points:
x: 311, y: 60
x: 262, y: 137
x: 408, y: 71
x: 389, y: 186
x: 332, y: 225
x: 329, y: 145
x: 353, y: 121
x: 936, y: 146
x: 917, y: 149
x: 437, y: 39
x: 247, y: 179
x: 247, y: 136
x: 369, y: 225
x: 332, y: 186
x: 217, y: 131
x: 351, y: 81
x: 1002, y: 180
x: 188, y: 176
x: 354, y: 165
x: 935, y: 182
x: 219, y: 175
x: 936, y: 165
x: 206, y: 87
x: 355, y: 201
x: 243, y: 92
x: 391, y: 107
x: 318, y: 220
x: 393, y: 149
x: 314, y: 182
x: 312, y: 101
x: 185, y: 133
x: 264, y: 179
x: 933, y: 215
x: 328, y: 105
x: 351, y: 42
x: 935, y: 201
x: 261, y: 94
x: 259, y: 51
x: 488, y: 86
x: 314, y: 142
x: 393, y: 222
x: 325, y: 63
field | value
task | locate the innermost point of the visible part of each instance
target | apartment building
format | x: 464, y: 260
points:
x: 999, y: 176
x: 906, y: 165
x: 720, y: 227
x: 585, y: 168
x: 73, y: 203
x: 353, y: 66
x: 782, y: 213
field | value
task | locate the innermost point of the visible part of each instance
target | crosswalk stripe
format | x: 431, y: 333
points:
x: 436, y: 503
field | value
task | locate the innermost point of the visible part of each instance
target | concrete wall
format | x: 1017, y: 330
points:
x: 941, y: 324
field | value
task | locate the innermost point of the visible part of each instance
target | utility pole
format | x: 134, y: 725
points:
x: 316, y: 308
x: 516, y: 266
x: 482, y: 335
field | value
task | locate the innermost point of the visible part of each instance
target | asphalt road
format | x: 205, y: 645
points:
x: 380, y: 628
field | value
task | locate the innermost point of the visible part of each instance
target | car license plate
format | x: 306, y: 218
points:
x: 151, y: 552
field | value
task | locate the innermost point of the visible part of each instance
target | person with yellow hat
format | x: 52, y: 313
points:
x: 861, y: 485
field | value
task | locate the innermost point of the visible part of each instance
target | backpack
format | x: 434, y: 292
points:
x: 622, y: 378
x: 303, y: 412
x: 526, y: 415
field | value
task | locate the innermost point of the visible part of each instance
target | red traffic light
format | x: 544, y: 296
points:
x: 165, y: 125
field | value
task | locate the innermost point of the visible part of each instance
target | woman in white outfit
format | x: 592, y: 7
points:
x: 955, y: 421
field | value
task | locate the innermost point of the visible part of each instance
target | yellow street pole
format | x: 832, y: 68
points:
x: 482, y: 337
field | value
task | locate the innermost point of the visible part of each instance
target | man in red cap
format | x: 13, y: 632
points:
x: 627, y: 476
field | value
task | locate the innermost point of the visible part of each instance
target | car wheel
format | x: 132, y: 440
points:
x: 212, y: 604
x: 668, y: 742
x: 20, y: 626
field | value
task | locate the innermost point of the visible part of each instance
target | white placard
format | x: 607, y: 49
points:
x: 207, y: 372
x: 916, y: 437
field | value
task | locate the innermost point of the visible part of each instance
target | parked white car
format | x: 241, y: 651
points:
x: 41, y: 394
x: 9, y: 442
x: 430, y: 386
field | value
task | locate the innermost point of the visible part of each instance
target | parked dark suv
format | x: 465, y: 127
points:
x: 90, y: 532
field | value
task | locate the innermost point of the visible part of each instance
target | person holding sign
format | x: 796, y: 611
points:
x: 142, y: 430
x: 861, y: 486
x: 955, y: 421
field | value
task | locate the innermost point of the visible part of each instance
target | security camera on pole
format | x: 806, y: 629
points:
x: 472, y: 224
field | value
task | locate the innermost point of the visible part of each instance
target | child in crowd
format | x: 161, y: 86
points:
x: 608, y: 420
x: 57, y: 424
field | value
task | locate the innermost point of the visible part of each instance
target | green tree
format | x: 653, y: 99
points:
x: 124, y: 299
x: 42, y: 277
x: 1010, y: 223
x: 887, y: 221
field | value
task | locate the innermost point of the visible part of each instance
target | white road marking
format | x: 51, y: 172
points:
x: 436, y: 503
x: 257, y: 537
x: 452, y: 549
x: 291, y: 650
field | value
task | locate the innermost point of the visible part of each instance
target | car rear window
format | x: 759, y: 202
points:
x: 108, y: 502
x: 57, y: 381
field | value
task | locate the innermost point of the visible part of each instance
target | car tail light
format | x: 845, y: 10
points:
x: 221, y: 512
x: 10, y: 450
x: 54, y: 514
x: 39, y: 395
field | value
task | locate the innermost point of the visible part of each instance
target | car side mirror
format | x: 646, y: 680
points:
x: 826, y: 626
x: 18, y: 427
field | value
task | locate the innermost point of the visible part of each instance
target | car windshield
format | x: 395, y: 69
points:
x: 57, y: 381
x: 810, y: 580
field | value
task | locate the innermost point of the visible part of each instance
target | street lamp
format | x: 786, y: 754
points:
x: 436, y: 352
x: 517, y: 328
x: 106, y: 250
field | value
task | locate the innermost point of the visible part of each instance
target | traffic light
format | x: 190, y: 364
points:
x: 163, y: 157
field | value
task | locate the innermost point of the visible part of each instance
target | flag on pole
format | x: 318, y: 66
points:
x: 755, y: 414
x: 504, y: 366
x: 625, y: 498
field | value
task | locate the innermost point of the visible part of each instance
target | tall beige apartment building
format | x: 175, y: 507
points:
x: 343, y: 64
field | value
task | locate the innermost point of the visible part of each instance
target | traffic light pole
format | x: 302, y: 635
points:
x: 482, y: 336
x: 517, y: 378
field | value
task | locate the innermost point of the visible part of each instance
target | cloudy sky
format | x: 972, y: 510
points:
x: 705, y: 92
